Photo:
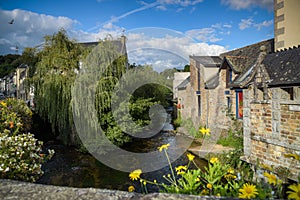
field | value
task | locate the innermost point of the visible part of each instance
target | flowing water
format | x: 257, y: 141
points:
x: 70, y: 167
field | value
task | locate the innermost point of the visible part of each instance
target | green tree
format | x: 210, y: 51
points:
x: 8, y: 63
x: 54, y: 76
x: 186, y: 68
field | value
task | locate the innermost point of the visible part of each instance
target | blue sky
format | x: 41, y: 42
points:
x: 180, y: 27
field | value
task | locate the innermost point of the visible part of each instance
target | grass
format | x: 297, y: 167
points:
x: 232, y: 139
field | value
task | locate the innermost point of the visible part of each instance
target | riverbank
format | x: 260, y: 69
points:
x: 203, y: 150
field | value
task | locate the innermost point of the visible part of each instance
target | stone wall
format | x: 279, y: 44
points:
x: 179, y: 77
x: 271, y: 131
x: 15, y: 190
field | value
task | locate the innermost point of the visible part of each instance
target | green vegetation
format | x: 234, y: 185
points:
x: 21, y: 155
x: 233, y: 138
x: 57, y: 70
x: 53, y: 79
x: 225, y: 175
x: 8, y: 63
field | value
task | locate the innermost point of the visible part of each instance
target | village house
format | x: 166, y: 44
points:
x: 211, y: 96
x: 192, y: 98
x: 257, y: 85
x: 271, y: 99
x: 272, y: 112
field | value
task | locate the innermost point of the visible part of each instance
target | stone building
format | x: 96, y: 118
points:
x: 286, y: 23
x: 271, y: 98
x: 258, y: 85
x: 179, y: 77
x: 196, y: 100
x: 272, y: 112
x: 211, y: 96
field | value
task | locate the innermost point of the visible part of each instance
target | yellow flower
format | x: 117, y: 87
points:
x: 295, y: 193
x: 204, y: 192
x: 271, y: 178
x: 135, y: 175
x: 265, y: 166
x: 164, y: 146
x: 230, y: 171
x: 190, y: 157
x: 205, y: 131
x: 248, y: 191
x: 144, y: 183
x: 209, y: 186
x: 292, y: 155
x: 230, y: 176
x: 131, y: 188
x: 154, y: 181
x: 3, y: 104
x: 181, y: 169
x: 214, y: 160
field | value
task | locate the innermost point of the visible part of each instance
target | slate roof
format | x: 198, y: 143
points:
x: 120, y: 46
x: 240, y: 60
x: 283, y: 67
x: 213, y: 82
x: 208, y: 61
x: 183, y: 84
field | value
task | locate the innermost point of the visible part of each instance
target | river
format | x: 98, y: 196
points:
x: 69, y: 167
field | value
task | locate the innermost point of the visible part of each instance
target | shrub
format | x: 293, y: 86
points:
x: 21, y: 154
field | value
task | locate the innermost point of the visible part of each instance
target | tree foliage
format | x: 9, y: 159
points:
x: 55, y: 73
x: 8, y: 63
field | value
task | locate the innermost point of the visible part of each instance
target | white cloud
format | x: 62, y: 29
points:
x: 204, y: 34
x: 249, y: 23
x: 161, y: 7
x: 246, y: 23
x: 183, y: 3
x: 161, y: 48
x: 227, y: 26
x: 168, y: 49
x: 28, y: 28
x: 264, y: 24
x: 210, y: 34
x: 246, y: 4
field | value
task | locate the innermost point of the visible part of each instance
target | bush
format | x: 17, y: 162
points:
x: 21, y: 154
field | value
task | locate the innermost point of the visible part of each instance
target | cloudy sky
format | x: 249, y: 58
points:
x: 162, y: 33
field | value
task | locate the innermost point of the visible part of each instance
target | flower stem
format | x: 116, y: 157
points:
x: 173, y: 175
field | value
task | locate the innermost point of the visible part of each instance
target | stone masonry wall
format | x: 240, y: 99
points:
x: 271, y: 131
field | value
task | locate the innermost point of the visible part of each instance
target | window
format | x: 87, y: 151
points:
x: 230, y: 75
x: 228, y: 103
x: 287, y: 94
x: 199, y: 105
x: 198, y: 78
x: 239, y: 104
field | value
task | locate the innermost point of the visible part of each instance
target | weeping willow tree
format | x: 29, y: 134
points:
x: 97, y: 89
x: 55, y: 73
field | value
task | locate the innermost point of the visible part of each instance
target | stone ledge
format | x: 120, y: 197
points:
x: 11, y: 189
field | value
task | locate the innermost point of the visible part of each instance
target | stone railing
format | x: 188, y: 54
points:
x: 10, y: 189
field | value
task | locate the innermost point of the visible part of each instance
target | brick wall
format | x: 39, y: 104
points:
x: 272, y: 130
x: 290, y: 125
